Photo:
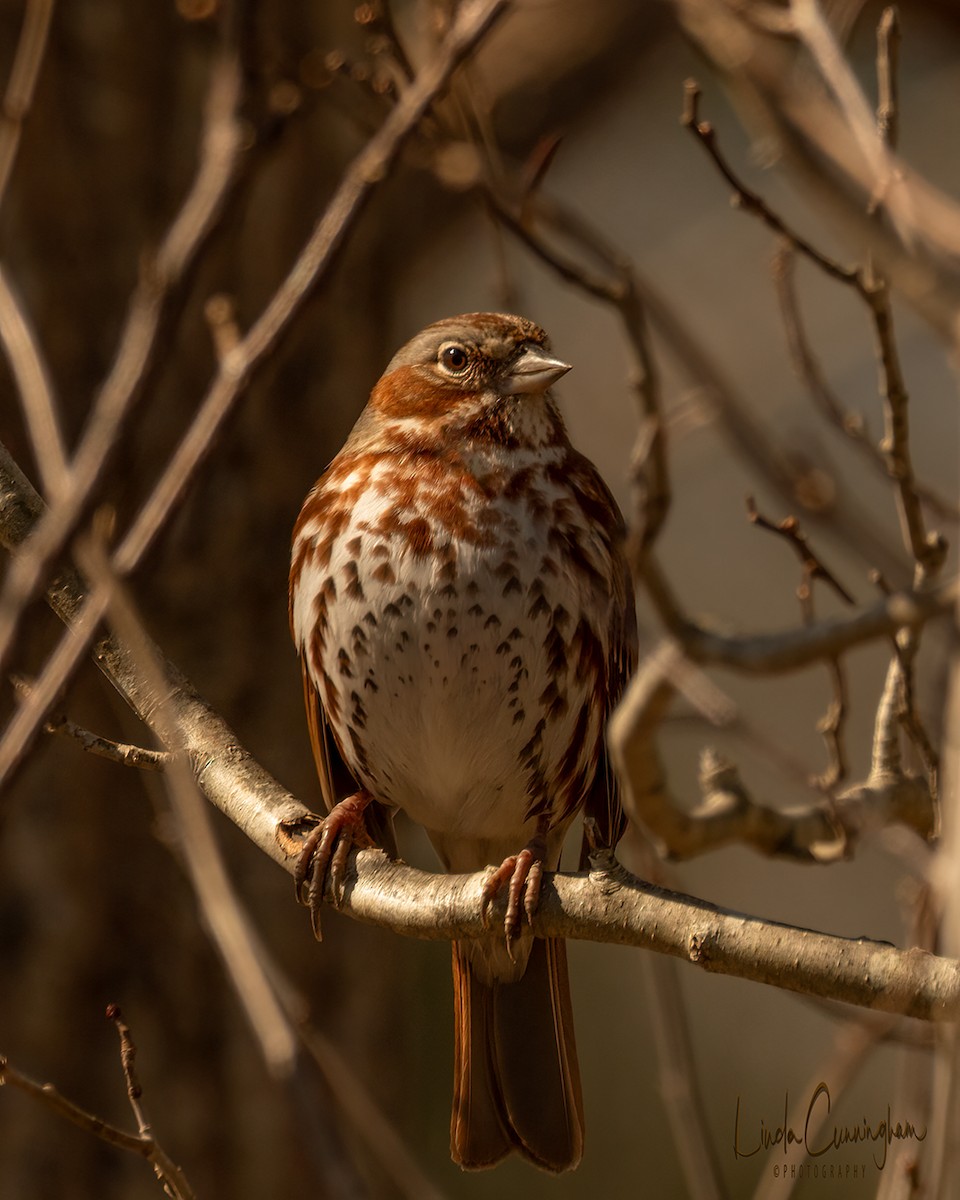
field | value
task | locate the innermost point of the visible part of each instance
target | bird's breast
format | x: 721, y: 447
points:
x: 451, y: 631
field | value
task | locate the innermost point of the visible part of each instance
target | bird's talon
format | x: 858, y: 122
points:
x: 338, y: 870
x: 325, y: 853
x: 302, y: 870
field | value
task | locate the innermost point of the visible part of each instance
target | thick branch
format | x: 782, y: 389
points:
x: 606, y: 906
x: 611, y: 905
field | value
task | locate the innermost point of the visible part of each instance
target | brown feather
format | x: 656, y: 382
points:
x: 516, y: 1078
x: 320, y: 737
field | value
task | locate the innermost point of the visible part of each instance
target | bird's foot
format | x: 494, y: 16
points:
x: 523, y: 874
x: 325, y: 852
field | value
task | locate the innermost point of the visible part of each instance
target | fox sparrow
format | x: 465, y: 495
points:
x: 464, y: 616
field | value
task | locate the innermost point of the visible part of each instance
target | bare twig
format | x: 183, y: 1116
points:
x: 128, y: 1060
x: 168, y: 1173
x: 748, y: 200
x: 814, y: 32
x: 363, y: 175
x: 614, y: 284
x: 832, y: 723
x: 224, y: 917
x: 888, y: 81
x: 811, y: 564
x: 928, y: 550
x: 118, y: 752
x: 550, y: 231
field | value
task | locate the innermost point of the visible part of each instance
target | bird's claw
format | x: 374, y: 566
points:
x: 325, y: 853
x: 523, y: 873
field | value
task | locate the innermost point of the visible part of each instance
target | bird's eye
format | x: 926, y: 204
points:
x: 454, y: 358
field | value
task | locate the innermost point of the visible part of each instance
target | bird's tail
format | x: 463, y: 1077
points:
x: 516, y: 1083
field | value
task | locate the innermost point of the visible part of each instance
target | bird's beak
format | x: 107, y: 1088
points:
x: 534, y: 371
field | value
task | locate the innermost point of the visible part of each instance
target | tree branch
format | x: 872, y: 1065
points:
x: 607, y: 905
x: 169, y: 1174
x: 235, y: 369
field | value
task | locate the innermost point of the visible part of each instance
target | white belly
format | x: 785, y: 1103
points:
x: 455, y: 681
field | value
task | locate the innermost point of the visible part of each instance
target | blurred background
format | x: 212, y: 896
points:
x: 94, y: 904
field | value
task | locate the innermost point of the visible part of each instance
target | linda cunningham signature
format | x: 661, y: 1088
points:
x: 817, y: 1136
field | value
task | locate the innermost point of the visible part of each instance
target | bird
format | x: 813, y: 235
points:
x: 464, y: 614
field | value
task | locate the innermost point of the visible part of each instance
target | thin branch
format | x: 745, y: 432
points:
x: 814, y: 32
x: 35, y: 391
x: 365, y: 173
x: 811, y: 374
x: 830, y: 726
x: 224, y: 917
x: 160, y: 279
x: 929, y: 550
x: 793, y: 649
x: 167, y: 1172
x: 21, y: 84
x: 119, y: 752
x: 748, y: 200
x: 602, y: 271
x: 888, y: 79
x: 128, y: 1059
x: 810, y: 562
x: 616, y: 285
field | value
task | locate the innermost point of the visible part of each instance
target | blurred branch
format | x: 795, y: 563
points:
x: 832, y: 723
x: 826, y: 136
x: 224, y: 917
x: 728, y: 813
x: 235, y: 369
x: 160, y: 278
x: 20, y: 86
x: 793, y: 649
x: 607, y: 905
x: 928, y: 550
x: 847, y: 1054
x: 748, y: 200
x: 551, y: 231
x: 35, y: 391
x: 614, y: 284
x: 811, y: 374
